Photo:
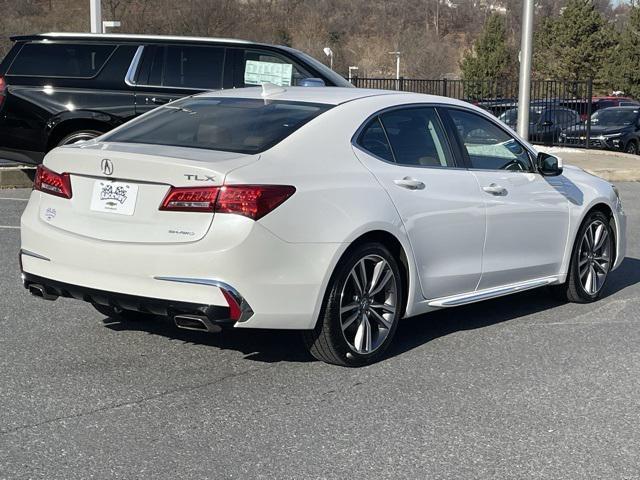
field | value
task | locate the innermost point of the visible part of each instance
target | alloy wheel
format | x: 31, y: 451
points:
x: 368, y: 304
x: 594, y: 257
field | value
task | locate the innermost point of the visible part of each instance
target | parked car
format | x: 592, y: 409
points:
x: 335, y: 211
x: 615, y: 128
x: 545, y: 122
x: 597, y: 103
x: 60, y: 88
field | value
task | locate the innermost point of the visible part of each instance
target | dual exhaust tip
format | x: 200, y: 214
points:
x: 40, y: 291
x: 198, y: 323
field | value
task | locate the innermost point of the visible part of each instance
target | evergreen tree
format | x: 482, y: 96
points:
x: 491, y: 56
x: 624, y: 67
x: 574, y: 45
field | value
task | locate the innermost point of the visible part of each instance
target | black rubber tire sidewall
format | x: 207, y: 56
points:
x: 326, y: 342
x: 575, y: 290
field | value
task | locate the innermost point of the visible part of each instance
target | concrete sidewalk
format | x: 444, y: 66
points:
x: 610, y: 165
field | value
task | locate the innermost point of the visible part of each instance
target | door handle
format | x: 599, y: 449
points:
x: 409, y: 183
x: 496, y: 190
x: 160, y: 101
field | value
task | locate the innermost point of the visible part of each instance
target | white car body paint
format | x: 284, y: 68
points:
x: 461, y: 244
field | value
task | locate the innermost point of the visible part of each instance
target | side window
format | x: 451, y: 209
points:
x: 374, y: 140
x: 262, y: 66
x: 61, y: 59
x: 191, y: 67
x: 417, y: 137
x: 489, y: 147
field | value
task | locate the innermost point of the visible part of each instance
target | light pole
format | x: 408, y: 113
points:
x: 329, y: 53
x: 351, y: 69
x: 526, y: 49
x: 95, y: 15
x: 397, y: 54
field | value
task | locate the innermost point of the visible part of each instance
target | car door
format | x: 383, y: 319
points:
x: 438, y: 201
x: 527, y: 214
x: 169, y: 72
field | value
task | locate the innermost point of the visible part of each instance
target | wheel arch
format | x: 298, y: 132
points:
x: 605, y: 208
x: 64, y: 125
x: 399, y: 249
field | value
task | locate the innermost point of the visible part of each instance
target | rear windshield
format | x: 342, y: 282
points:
x: 227, y: 124
x: 60, y: 60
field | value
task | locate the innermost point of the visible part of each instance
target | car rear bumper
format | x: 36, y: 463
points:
x: 283, y: 282
x: 217, y: 314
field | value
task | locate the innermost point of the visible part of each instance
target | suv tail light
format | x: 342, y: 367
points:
x: 48, y: 181
x: 252, y: 201
x: 3, y: 89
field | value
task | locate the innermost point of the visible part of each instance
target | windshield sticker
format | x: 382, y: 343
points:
x: 256, y: 73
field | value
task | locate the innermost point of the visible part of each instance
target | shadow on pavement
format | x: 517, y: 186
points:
x: 271, y: 346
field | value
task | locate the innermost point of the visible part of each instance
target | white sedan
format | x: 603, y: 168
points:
x: 334, y: 211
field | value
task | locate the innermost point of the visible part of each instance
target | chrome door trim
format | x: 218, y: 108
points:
x: 471, y: 297
x: 129, y: 78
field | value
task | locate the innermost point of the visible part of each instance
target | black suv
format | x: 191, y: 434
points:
x: 60, y: 88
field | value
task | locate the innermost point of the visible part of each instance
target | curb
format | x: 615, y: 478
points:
x: 16, y: 177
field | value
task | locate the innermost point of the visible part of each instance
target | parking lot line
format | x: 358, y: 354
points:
x: 10, y: 227
x: 15, y: 199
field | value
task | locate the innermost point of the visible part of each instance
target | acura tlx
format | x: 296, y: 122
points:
x: 334, y: 211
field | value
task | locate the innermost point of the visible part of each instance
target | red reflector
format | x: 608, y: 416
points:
x: 48, y: 181
x: 234, y: 308
x: 253, y: 201
x: 190, y: 199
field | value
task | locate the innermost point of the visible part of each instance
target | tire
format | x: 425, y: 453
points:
x: 632, y: 148
x: 372, y: 320
x: 122, y: 315
x: 583, y: 259
x: 78, y: 136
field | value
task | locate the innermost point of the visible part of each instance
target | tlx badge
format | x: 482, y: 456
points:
x: 200, y: 178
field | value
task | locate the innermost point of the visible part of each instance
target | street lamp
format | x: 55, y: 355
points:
x: 397, y: 54
x: 329, y: 53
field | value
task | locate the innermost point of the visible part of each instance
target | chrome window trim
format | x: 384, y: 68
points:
x: 356, y: 136
x: 129, y: 78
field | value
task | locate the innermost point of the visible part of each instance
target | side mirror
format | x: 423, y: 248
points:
x: 547, y: 123
x: 311, y: 82
x: 549, y: 165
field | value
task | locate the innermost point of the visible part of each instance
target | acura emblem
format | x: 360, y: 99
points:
x: 107, y: 166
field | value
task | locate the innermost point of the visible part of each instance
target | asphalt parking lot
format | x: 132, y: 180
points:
x: 520, y: 387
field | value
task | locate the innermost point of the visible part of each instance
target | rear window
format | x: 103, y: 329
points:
x: 227, y: 124
x: 61, y: 60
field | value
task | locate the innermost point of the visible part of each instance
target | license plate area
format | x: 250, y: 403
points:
x: 114, y: 197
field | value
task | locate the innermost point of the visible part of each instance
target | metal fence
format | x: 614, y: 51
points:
x: 560, y: 110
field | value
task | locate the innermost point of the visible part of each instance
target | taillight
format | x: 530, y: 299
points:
x: 190, y: 199
x: 48, y: 181
x: 3, y: 89
x: 253, y: 201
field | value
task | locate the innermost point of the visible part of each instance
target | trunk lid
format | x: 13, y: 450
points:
x: 117, y: 190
